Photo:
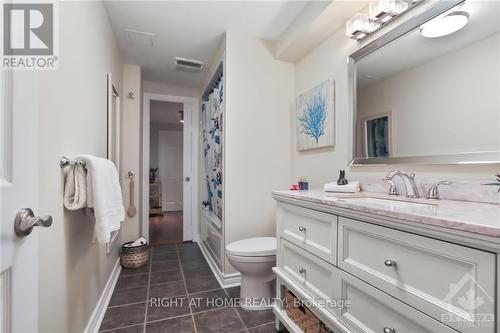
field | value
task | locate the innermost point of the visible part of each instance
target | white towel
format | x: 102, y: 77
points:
x: 90, y: 193
x: 75, y: 189
x: 352, y: 187
x: 106, y: 195
x: 138, y: 242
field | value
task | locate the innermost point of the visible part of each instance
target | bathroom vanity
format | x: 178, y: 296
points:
x: 385, y: 263
x: 375, y: 263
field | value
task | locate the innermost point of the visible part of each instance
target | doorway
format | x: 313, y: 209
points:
x: 165, y: 168
x: 169, y: 169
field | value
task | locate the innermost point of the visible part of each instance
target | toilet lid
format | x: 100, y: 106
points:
x: 253, y: 247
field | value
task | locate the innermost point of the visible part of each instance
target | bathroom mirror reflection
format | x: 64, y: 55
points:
x: 431, y: 94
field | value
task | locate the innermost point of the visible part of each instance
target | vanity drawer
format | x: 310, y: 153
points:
x: 432, y: 276
x: 312, y: 230
x: 315, y: 276
x: 373, y: 311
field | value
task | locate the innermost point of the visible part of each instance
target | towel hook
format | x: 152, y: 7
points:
x: 130, y: 174
x: 65, y: 162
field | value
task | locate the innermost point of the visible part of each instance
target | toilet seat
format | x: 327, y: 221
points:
x: 248, y: 259
x: 253, y: 247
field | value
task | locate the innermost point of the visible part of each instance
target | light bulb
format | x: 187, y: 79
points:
x: 445, y: 25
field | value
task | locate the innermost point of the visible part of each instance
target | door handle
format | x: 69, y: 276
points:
x: 390, y: 263
x: 26, y: 220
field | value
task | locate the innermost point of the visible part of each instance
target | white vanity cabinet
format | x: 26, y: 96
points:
x: 418, y: 270
x: 393, y: 278
x: 312, y: 230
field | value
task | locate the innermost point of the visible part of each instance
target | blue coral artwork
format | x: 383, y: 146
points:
x: 315, y: 117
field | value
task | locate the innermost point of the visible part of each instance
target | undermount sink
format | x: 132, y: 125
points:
x: 386, y: 202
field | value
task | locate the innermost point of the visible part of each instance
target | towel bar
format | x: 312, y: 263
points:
x: 64, y: 162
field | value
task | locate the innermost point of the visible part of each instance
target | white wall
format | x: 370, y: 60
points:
x: 131, y: 148
x: 154, y: 129
x: 163, y: 116
x: 328, y: 60
x: 462, y: 117
x: 170, y: 159
x: 161, y: 88
x: 73, y: 269
x: 259, y: 96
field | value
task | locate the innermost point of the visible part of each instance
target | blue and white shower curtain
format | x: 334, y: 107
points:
x: 212, y: 120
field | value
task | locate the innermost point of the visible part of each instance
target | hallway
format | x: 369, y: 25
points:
x: 178, y: 274
x: 166, y: 228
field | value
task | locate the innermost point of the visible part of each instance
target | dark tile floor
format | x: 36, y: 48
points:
x: 166, y: 228
x: 177, y: 293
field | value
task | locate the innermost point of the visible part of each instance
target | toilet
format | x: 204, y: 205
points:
x: 254, y: 258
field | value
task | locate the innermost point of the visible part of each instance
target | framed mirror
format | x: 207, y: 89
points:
x: 425, y: 94
x: 114, y: 123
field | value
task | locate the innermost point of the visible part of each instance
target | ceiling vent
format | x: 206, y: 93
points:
x: 188, y: 64
x: 140, y: 37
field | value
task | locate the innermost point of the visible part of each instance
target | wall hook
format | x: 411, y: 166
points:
x: 131, y: 95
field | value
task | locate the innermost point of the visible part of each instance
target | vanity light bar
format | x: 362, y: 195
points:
x: 385, y: 10
x: 379, y: 13
x: 360, y: 26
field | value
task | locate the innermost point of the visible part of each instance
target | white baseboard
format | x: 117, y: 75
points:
x: 172, y: 206
x: 231, y: 280
x: 95, y: 319
x: 225, y: 280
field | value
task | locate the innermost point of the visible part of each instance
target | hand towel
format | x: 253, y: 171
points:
x: 106, y: 195
x: 352, y: 187
x: 75, y: 189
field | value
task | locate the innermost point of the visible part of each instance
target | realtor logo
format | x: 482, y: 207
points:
x: 469, y: 304
x: 29, y: 36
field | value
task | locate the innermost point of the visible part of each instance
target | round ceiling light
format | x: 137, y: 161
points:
x: 445, y: 25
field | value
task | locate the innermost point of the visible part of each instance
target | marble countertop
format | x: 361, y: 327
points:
x: 473, y: 217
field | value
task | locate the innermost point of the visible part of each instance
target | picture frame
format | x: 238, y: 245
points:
x: 377, y: 132
x: 315, y: 117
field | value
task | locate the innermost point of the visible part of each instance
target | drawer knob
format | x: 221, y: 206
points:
x: 302, y: 228
x: 302, y: 270
x: 389, y: 330
x: 390, y: 263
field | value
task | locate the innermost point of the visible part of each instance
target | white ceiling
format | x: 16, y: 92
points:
x: 165, y: 112
x: 192, y: 29
x: 413, y: 49
x: 317, y: 21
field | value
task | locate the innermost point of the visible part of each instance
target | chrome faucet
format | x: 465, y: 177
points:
x: 409, y: 181
x: 433, y: 193
x: 393, y: 190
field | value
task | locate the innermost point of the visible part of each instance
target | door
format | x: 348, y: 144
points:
x: 190, y: 135
x: 188, y: 171
x: 19, y: 189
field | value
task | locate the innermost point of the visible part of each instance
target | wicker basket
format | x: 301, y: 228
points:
x: 303, y: 317
x: 134, y: 257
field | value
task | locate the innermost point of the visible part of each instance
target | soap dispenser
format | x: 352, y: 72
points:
x: 342, y: 180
